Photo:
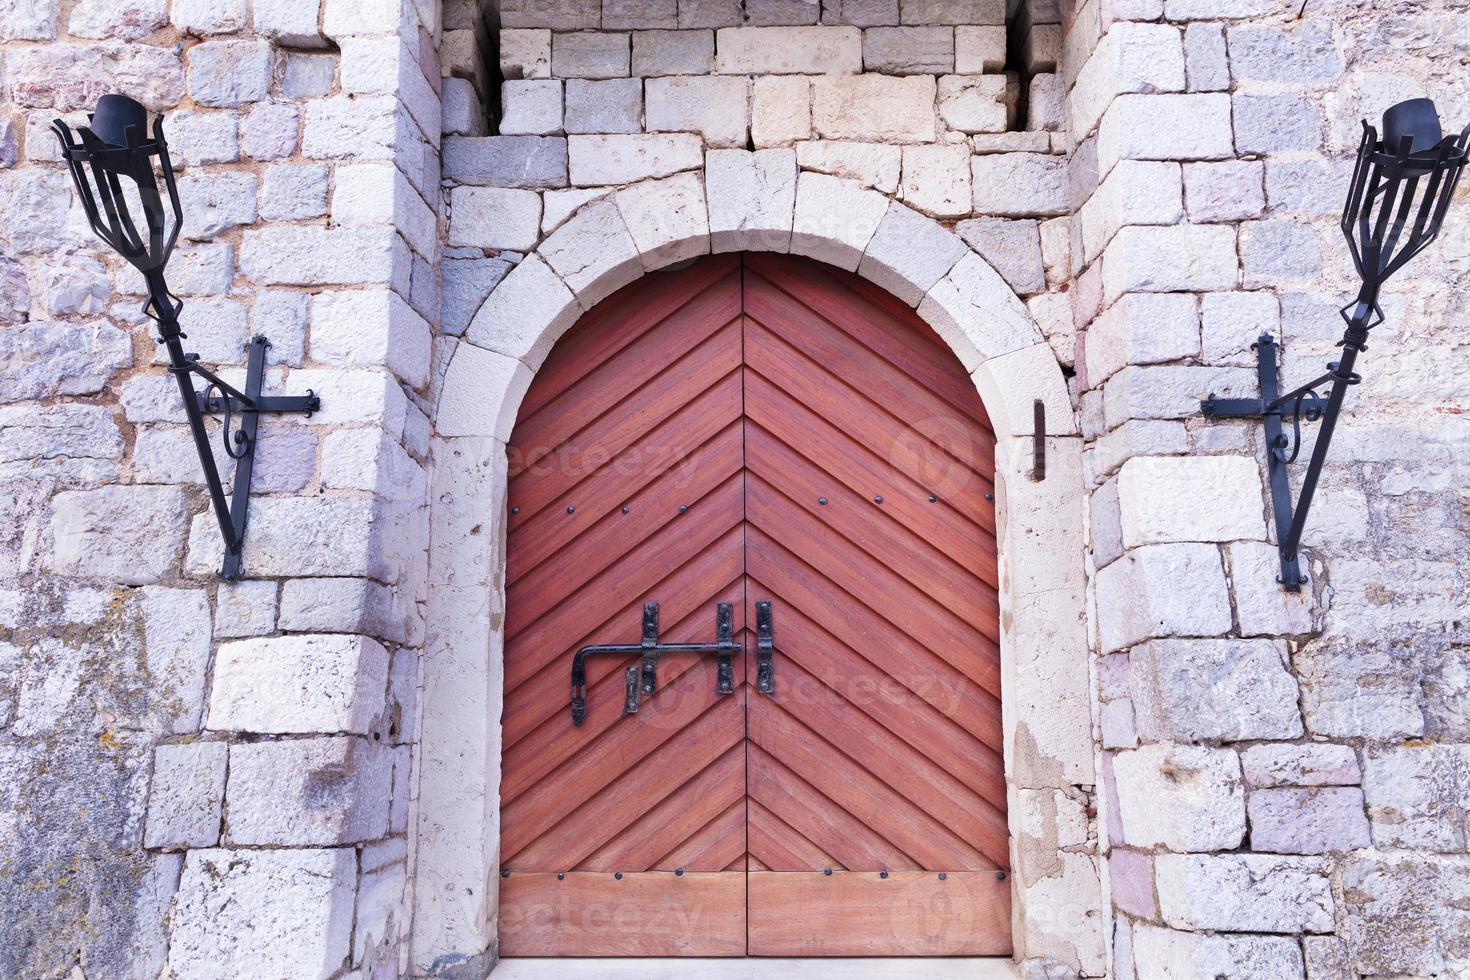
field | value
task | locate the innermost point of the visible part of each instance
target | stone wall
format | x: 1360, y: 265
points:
x: 196, y: 775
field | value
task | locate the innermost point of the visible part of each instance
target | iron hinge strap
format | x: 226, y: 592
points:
x: 765, y: 648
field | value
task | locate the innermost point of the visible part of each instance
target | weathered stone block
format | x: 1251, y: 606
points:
x: 590, y: 54
x: 1276, y: 123
x: 1185, y: 798
x: 714, y: 107
x: 224, y: 74
x: 1162, y: 590
x: 1352, y: 689
x: 673, y: 53
x: 1012, y: 248
x: 952, y: 11
x: 1226, y: 191
x: 1215, y: 498
x: 1164, y: 953
x: 1130, y: 58
x: 238, y: 907
x: 978, y: 103
x: 781, y: 12
x: 667, y: 219
x: 1227, y: 690
x: 1142, y: 328
x: 979, y: 49
x: 1244, y: 892
x: 1138, y: 437
x: 525, y: 318
x: 200, y: 17
x: 788, y: 51
x: 1312, y: 764
x: 495, y: 218
x: 525, y: 53
x: 1315, y: 820
x: 781, y: 111
x: 710, y: 13
x: 874, y: 107
x: 507, y: 161
x: 752, y: 199
x: 1019, y: 184
x: 601, y: 160
x: 130, y: 534
x: 1169, y: 259
x: 1262, y: 607
x: 593, y: 252
x: 623, y: 15
x: 871, y: 164
x: 1403, y: 914
x: 186, y: 795
x: 245, y: 608
x: 835, y: 219
x: 289, y: 192
x: 308, y: 792
x: 1136, y: 192
x: 1165, y: 127
x: 298, y: 684
x: 1304, y: 56
x: 1418, y: 795
x: 464, y: 284
x: 41, y: 359
x: 1171, y: 391
x: 531, y: 107
x: 1279, y: 253
x: 1205, y: 61
x: 909, y: 50
x: 312, y: 255
x: 909, y: 253
x: 936, y: 179
x: 268, y: 132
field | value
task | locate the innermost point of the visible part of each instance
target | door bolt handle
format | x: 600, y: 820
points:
x: 765, y: 648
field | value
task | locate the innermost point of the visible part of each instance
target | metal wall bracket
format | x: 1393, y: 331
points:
x: 642, y: 679
x: 1038, y: 445
x: 1275, y: 410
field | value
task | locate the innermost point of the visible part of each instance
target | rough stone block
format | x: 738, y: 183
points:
x: 871, y: 164
x: 1046, y: 106
x: 464, y: 284
x: 237, y: 907
x: 1136, y: 192
x: 1019, y: 184
x: 559, y: 15
x: 1130, y: 58
x: 874, y: 107
x: 752, y: 199
x: 1316, y: 820
x: 781, y: 111
x: 186, y: 795
x: 1012, y: 248
x: 1224, y: 690
x: 1304, y: 56
x: 203, y: 137
x: 1226, y: 191
x: 976, y: 314
x: 979, y: 49
x: 936, y: 179
x: 1184, y: 798
x: 298, y: 684
x: 835, y: 219
x: 593, y: 252
x: 1160, y: 953
x: 215, y: 203
x: 507, y: 161
x: 978, y: 104
x: 714, y: 107
x: 589, y: 54
x: 224, y: 74
x: 1403, y: 914
x: 525, y: 53
x: 613, y: 105
x: 1142, y: 328
x: 201, y: 18
x: 1162, y: 590
x: 602, y: 160
x: 129, y: 534
x: 788, y: 51
x: 313, y: 255
x: 1276, y: 123
x: 313, y: 791
x: 268, y: 132
x: 1359, y: 690
x: 1262, y: 607
x: 639, y: 15
x: 771, y: 13
x: 909, y: 50
x: 711, y: 13
x: 530, y: 107
x: 1279, y: 253
x: 1168, y: 259
x: 667, y: 219
x: 525, y: 318
x: 1312, y: 186
x: 1165, y: 127
x: 673, y: 53
x: 494, y: 218
x: 952, y: 11
x: 1205, y: 61
x: 1172, y: 392
x: 1244, y: 892
x: 245, y: 608
x: 1313, y: 764
x: 291, y: 192
x: 1215, y: 498
x: 1418, y: 795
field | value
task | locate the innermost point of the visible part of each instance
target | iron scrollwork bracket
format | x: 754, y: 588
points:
x: 1275, y: 410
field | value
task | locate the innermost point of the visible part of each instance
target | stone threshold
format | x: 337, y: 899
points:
x: 759, y: 968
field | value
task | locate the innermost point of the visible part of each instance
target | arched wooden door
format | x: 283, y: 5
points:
x: 753, y: 429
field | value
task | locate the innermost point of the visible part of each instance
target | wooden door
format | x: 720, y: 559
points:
x: 754, y: 428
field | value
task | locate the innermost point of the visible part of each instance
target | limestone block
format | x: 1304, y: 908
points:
x: 238, y: 907
x: 979, y: 48
x: 1204, y: 58
x: 781, y: 110
x: 622, y: 15
x: 290, y: 23
x: 1216, y: 9
x: 1403, y: 914
x: 1056, y: 913
x: 590, y: 54
x: 1130, y: 58
x: 30, y: 21
x: 215, y: 203
x: 558, y: 206
x: 1305, y: 56
x: 1169, y: 259
x: 465, y: 283
x: 1354, y: 690
x: 1042, y: 48
x: 875, y: 165
x: 1131, y: 876
x: 1262, y: 607
x: 673, y: 53
x: 714, y: 107
x: 309, y: 76
x: 186, y: 795
x: 1160, y: 953
x: 1165, y: 127
x: 1312, y: 186
x: 245, y: 608
x: 68, y: 76
x: 1011, y: 248
x: 613, y: 105
x: 936, y: 179
x: 1056, y: 249
x: 1244, y: 892
x: 952, y: 11
x: 1226, y: 191
x: 368, y: 328
x: 223, y: 74
x: 341, y: 605
x: 525, y: 53
x: 1011, y: 383
x: 908, y: 253
x: 1106, y: 523
x: 313, y: 255
x: 1279, y: 253
x: 1276, y: 123
x: 507, y: 161
x: 752, y: 199
x: 482, y: 390
x: 593, y: 252
x: 764, y: 13
x: 909, y: 50
x: 1171, y: 391
x: 298, y: 684
x: 494, y: 218
x: 1316, y: 820
x: 1227, y: 690
x: 667, y: 219
x: 524, y: 317
x: 74, y: 442
x: 290, y: 192
x: 978, y: 103
x: 1136, y: 192
x: 600, y: 160
x: 835, y: 219
x: 1182, y: 797
x: 314, y: 791
x: 1203, y: 498
x: 1115, y: 721
x: 710, y: 13
x: 1019, y: 184
x: 561, y: 15
x: 200, y: 17
x: 269, y: 131
x: 874, y: 107
x: 788, y: 51
x: 130, y: 534
x: 1313, y: 764
x: 203, y: 137
x: 1417, y: 795
x: 1159, y: 591
x: 976, y: 314
x: 1142, y: 328
x: 530, y: 107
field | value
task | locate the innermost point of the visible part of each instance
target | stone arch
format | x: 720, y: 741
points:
x: 740, y: 203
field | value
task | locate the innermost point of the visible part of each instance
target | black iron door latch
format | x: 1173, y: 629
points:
x: 642, y: 679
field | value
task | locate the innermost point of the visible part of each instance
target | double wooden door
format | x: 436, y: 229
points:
x: 752, y: 429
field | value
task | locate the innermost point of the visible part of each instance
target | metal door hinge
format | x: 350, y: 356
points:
x: 765, y: 648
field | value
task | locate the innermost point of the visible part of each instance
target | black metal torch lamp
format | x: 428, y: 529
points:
x: 1401, y: 189
x: 112, y: 164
